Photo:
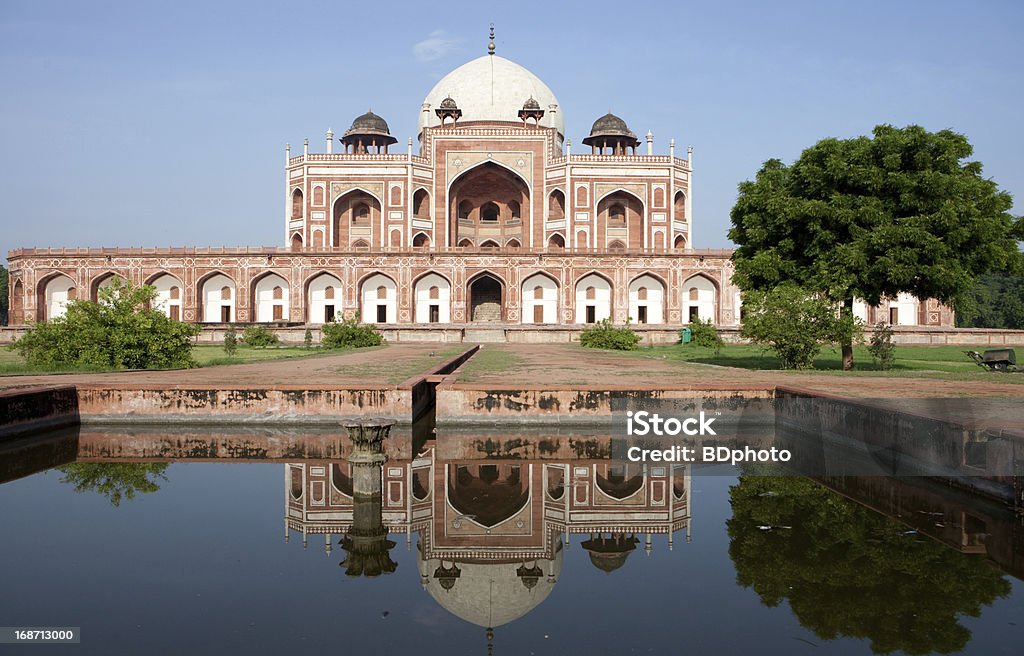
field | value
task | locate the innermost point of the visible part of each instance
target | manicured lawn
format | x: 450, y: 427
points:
x: 207, y: 355
x: 939, y: 361
x: 397, y: 371
x: 488, y: 360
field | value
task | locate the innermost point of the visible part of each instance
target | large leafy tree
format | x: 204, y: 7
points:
x: 116, y: 481
x: 995, y: 301
x: 899, y: 211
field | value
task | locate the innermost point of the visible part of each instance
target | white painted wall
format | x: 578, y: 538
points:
x: 548, y: 298
x: 163, y: 301
x: 318, y: 300
x: 423, y: 300
x: 655, y: 300
x: 212, y: 302
x: 369, y: 300
x: 57, y: 296
x: 265, y: 297
x: 705, y: 302
x: 602, y: 301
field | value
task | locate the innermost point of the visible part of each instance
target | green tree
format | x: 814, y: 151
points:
x: 848, y: 571
x: 259, y: 337
x: 4, y: 301
x: 793, y: 322
x: 900, y: 211
x: 994, y: 301
x: 118, y: 332
x: 115, y: 480
x: 231, y: 341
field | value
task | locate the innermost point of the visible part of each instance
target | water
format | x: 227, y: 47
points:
x: 208, y: 555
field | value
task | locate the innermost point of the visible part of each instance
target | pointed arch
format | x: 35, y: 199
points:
x: 265, y: 306
x: 556, y: 241
x: 513, y: 243
x: 421, y: 203
x: 16, y: 310
x: 489, y: 243
x: 485, y: 294
x: 647, y: 299
x: 102, y: 280
x: 701, y: 294
x: 599, y: 306
x: 375, y: 307
x: 323, y: 293
x: 298, y: 206
x: 556, y: 205
x: 679, y: 243
x: 212, y: 307
x: 432, y: 294
x: 169, y: 294
x: 356, y: 215
x: 421, y: 240
x: 539, y: 298
x: 53, y: 292
x: 296, y: 242
x: 679, y: 205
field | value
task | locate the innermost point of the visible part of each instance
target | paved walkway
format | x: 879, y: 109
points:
x: 525, y: 366
x: 363, y: 369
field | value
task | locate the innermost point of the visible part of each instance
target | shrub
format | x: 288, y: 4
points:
x: 230, y: 341
x: 349, y: 334
x: 604, y: 335
x: 881, y: 347
x: 307, y: 339
x: 704, y: 333
x: 259, y: 337
x: 793, y: 322
x: 118, y: 332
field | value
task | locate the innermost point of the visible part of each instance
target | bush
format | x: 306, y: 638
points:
x: 704, y: 333
x: 604, y: 335
x: 881, y: 347
x: 259, y: 337
x: 118, y: 332
x: 793, y: 322
x: 230, y: 341
x: 307, y: 339
x: 349, y: 334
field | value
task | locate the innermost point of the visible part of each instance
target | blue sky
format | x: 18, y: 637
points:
x: 156, y: 124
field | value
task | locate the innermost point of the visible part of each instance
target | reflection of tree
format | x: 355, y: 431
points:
x: 115, y: 480
x: 847, y: 571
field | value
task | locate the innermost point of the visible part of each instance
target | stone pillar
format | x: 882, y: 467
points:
x: 366, y: 545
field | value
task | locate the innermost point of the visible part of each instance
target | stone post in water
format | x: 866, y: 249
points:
x: 367, y: 545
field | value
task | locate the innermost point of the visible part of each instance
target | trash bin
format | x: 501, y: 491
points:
x: 687, y: 335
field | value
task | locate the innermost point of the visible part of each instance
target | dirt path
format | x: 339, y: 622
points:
x: 364, y: 368
x: 547, y: 366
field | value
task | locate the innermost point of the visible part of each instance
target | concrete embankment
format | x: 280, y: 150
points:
x: 39, y: 408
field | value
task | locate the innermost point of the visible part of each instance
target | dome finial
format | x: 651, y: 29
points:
x: 490, y: 45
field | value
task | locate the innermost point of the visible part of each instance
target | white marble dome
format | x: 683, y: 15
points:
x: 492, y: 88
x: 491, y: 594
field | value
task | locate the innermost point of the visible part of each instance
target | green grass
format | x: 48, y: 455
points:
x: 394, y: 372
x: 207, y: 355
x: 946, y: 362
x: 488, y: 361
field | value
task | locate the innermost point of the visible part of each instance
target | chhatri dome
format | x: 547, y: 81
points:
x: 491, y: 88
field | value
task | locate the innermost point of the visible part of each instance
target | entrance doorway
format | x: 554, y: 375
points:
x: 225, y: 314
x: 485, y: 300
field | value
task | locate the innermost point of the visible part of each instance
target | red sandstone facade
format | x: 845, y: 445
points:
x: 494, y: 221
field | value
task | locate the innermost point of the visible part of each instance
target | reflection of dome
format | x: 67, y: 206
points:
x: 609, y: 554
x: 491, y: 594
x: 491, y: 88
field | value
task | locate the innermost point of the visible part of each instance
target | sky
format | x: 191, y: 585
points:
x: 164, y: 123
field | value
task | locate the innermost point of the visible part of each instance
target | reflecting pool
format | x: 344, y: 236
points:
x: 172, y: 541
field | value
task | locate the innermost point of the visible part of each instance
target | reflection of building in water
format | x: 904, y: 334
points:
x: 492, y: 533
